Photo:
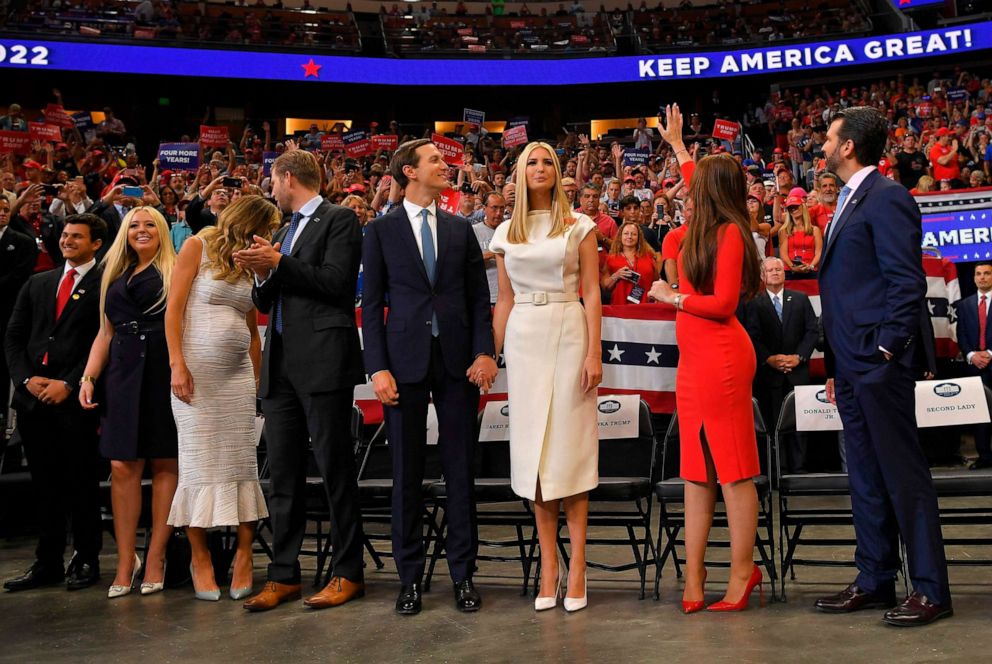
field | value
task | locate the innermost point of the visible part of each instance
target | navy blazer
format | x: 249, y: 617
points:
x: 393, y: 268
x: 872, y: 283
x: 967, y: 310
x: 795, y: 334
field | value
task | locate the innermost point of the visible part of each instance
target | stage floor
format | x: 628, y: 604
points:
x: 53, y: 625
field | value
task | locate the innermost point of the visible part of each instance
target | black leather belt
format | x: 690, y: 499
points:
x: 134, y: 327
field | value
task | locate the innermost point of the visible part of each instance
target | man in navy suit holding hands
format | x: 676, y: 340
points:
x: 872, y: 288
x: 437, y: 343
x: 975, y: 342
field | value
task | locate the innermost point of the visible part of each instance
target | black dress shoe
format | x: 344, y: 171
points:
x: 980, y: 464
x: 81, y: 574
x: 36, y: 576
x: 917, y: 610
x: 409, y: 602
x: 854, y: 598
x: 467, y: 598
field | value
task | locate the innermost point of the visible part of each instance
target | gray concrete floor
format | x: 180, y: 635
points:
x: 53, y: 625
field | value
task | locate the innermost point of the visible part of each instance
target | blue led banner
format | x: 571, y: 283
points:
x: 961, y: 236
x: 158, y: 60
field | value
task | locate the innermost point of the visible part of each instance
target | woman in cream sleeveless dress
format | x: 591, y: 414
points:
x: 551, y: 344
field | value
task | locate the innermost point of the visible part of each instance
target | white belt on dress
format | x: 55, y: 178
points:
x: 540, y: 298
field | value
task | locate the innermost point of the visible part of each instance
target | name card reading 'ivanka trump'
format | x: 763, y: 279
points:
x: 814, y: 412
x: 941, y: 403
x: 618, y: 414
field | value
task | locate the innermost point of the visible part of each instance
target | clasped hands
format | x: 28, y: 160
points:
x: 261, y: 257
x: 783, y: 363
x: 49, y: 391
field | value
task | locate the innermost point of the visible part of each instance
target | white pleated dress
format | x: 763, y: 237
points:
x: 218, y: 470
x: 553, y: 425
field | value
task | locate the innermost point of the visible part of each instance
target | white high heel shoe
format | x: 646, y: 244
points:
x: 116, y: 591
x: 545, y: 603
x: 573, y: 604
x: 149, y: 588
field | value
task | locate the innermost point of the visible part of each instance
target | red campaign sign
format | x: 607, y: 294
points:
x: 518, y: 25
x: 214, y: 137
x: 515, y: 136
x: 449, y: 199
x: 55, y: 114
x: 726, y: 130
x: 18, y: 142
x: 330, y: 142
x: 39, y: 131
x: 387, y: 142
x: 451, y: 150
x: 357, y: 144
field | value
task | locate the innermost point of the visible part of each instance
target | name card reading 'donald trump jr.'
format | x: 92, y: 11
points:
x: 939, y: 403
x: 619, y: 417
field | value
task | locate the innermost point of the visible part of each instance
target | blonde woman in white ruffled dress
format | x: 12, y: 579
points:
x: 215, y: 353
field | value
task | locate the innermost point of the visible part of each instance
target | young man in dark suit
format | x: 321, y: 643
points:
x: 17, y: 257
x: 782, y: 327
x: 54, y: 322
x: 975, y: 342
x: 305, y: 281
x: 437, y: 344
x: 872, y: 288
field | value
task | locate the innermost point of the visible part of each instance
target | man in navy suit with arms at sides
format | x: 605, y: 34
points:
x: 872, y: 288
x: 975, y: 342
x: 437, y: 343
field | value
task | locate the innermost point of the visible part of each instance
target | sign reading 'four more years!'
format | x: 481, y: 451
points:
x: 776, y: 59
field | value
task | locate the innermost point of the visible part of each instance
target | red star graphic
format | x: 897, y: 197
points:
x: 311, y: 69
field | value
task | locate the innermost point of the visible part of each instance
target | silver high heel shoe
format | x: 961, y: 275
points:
x: 205, y: 595
x: 545, y: 603
x: 116, y: 591
x: 148, y: 588
x: 573, y: 604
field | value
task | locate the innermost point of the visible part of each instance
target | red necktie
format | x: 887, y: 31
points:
x: 983, y: 315
x: 65, y: 290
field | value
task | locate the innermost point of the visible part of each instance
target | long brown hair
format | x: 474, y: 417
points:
x: 643, y: 248
x: 719, y: 194
x: 237, y: 224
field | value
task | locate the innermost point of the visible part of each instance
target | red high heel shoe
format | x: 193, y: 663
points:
x: 741, y: 604
x: 694, y: 606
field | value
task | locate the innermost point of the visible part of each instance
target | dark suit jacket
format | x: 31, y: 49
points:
x: 51, y: 232
x: 18, y: 253
x: 795, y: 334
x: 33, y: 331
x: 459, y: 298
x: 967, y: 311
x: 198, y: 216
x: 108, y: 212
x: 321, y: 351
x: 872, y: 282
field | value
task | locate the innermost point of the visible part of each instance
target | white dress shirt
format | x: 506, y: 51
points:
x: 988, y: 305
x: 80, y: 272
x: 413, y: 212
x: 853, y: 184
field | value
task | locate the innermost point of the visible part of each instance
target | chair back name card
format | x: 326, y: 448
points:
x: 618, y: 414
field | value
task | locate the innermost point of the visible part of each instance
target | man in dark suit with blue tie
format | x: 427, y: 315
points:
x: 975, y: 342
x: 436, y: 344
x: 305, y: 280
x: 872, y: 288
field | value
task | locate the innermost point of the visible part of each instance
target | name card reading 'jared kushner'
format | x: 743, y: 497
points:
x: 618, y: 414
x: 941, y: 403
x: 814, y: 412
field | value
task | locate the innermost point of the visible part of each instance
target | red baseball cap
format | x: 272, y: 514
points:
x: 793, y: 201
x: 778, y: 151
x: 31, y: 163
x: 356, y: 187
x: 943, y: 131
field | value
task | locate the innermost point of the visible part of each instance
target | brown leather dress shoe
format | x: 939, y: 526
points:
x: 917, y: 610
x: 854, y: 598
x: 272, y: 595
x: 338, y: 591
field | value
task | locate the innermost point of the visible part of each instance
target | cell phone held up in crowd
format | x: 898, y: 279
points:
x: 51, y: 190
x: 132, y: 192
x: 232, y: 183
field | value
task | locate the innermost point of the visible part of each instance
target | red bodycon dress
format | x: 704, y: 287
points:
x: 716, y: 367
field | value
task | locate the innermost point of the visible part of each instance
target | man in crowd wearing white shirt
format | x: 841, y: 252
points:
x: 494, y: 210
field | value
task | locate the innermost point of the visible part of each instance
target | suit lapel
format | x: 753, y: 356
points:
x: 85, y: 288
x: 838, y: 223
x: 443, y: 240
x: 312, y: 227
x: 786, y: 308
x: 407, y: 238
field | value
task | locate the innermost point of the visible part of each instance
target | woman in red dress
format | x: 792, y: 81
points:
x: 800, y: 241
x: 717, y: 264
x: 630, y: 254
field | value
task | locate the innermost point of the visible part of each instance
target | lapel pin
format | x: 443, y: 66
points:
x: 81, y: 292
x: 75, y: 296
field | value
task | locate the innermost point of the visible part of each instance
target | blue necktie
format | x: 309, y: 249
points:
x: 430, y: 260
x: 284, y: 249
x: 845, y: 191
x: 778, y: 307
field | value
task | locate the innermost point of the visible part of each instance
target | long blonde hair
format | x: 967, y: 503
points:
x: 242, y: 219
x: 790, y: 226
x: 120, y: 257
x: 561, y: 209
